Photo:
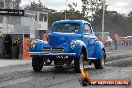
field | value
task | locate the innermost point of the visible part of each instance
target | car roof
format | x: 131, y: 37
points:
x: 72, y: 21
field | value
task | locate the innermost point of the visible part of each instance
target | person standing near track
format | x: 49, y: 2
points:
x: 116, y: 38
x: 7, y: 45
x: 45, y: 37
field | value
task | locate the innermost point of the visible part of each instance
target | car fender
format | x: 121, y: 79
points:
x: 98, y: 49
x: 39, y: 45
x: 79, y: 46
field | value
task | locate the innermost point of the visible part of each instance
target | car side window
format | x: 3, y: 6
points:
x: 87, y: 29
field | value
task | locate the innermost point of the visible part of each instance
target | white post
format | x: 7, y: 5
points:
x: 23, y: 36
x: 4, y: 4
x: 37, y: 26
x: 34, y: 25
x: 33, y: 28
x: 65, y: 14
x: 4, y: 20
x: 65, y: 10
x: 103, y: 18
x: 47, y: 21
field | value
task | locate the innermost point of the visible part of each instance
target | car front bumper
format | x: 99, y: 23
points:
x: 51, y: 54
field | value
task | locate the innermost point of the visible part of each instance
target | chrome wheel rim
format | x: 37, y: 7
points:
x: 81, y: 61
x: 103, y: 60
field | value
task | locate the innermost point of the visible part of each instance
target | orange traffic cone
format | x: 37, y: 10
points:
x: 85, y: 78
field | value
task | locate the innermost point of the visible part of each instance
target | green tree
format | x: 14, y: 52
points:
x: 129, y: 21
x: 72, y: 14
x: 90, y: 7
x: 73, y: 6
x: 34, y: 5
x: 114, y: 22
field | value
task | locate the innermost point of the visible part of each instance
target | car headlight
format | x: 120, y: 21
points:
x: 73, y: 44
x: 33, y: 44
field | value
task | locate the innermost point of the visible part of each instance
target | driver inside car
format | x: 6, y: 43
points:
x: 58, y: 30
x: 86, y: 31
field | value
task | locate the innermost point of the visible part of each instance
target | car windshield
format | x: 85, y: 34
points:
x: 66, y: 27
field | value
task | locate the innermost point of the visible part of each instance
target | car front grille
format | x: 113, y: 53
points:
x: 53, y: 49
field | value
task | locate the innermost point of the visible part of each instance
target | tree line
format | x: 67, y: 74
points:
x: 114, y: 21
x: 91, y: 11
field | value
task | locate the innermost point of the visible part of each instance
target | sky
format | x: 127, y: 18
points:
x: 121, y: 6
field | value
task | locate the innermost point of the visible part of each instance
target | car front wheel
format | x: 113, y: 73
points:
x: 99, y: 63
x: 37, y: 64
x: 79, y: 63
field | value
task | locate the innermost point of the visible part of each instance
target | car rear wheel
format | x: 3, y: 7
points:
x: 99, y: 63
x: 79, y: 63
x: 37, y: 64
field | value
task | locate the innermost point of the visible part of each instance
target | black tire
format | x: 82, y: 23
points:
x: 37, y: 64
x: 99, y: 63
x: 79, y: 63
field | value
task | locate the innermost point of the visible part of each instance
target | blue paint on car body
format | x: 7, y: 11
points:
x: 70, y: 39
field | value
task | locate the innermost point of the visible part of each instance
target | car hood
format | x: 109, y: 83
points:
x: 57, y: 38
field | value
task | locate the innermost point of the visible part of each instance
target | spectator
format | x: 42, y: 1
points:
x: 101, y: 39
x: 45, y: 37
x: 116, y: 38
x: 7, y: 45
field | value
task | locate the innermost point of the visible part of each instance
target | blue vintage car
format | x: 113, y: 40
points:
x: 70, y: 43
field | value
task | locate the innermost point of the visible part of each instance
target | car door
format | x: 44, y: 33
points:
x: 89, y: 39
